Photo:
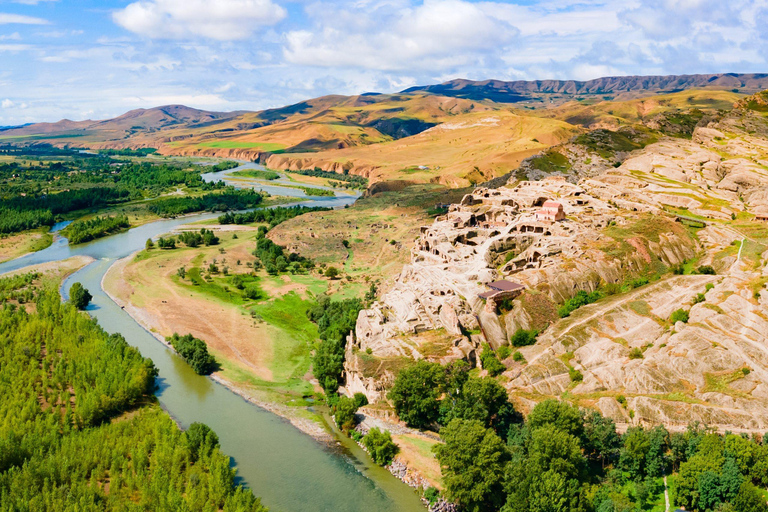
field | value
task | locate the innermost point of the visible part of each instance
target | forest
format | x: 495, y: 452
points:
x: 562, y: 458
x: 81, y: 430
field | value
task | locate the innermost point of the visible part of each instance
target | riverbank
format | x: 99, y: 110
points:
x: 314, y: 428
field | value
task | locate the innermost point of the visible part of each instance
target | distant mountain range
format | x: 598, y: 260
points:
x: 626, y: 86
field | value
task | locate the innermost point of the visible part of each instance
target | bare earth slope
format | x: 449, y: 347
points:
x: 623, y: 354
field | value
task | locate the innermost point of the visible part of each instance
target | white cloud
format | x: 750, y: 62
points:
x: 6, y: 103
x: 10, y: 37
x: 435, y: 35
x: 7, y: 18
x: 223, y: 20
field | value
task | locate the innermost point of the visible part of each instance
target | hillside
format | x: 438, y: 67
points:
x: 647, y: 300
x: 457, y: 133
x: 619, y: 87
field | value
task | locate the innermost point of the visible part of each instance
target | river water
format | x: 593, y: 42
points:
x: 289, y: 470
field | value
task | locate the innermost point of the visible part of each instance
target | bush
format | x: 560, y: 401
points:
x: 79, y: 296
x: 581, y: 298
x: 709, y: 286
x: 706, y: 270
x: 431, y: 495
x: 344, y: 414
x: 679, y: 315
x: 360, y: 400
x: 575, y: 375
x: 523, y: 338
x: 490, y: 362
x: 518, y: 357
x: 504, y: 352
x: 332, y: 273
x: 678, y: 269
x: 380, y: 446
x: 698, y: 298
x: 636, y: 353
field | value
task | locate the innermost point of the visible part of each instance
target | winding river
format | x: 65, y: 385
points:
x: 289, y: 470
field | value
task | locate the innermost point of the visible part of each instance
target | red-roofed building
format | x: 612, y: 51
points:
x: 551, y: 211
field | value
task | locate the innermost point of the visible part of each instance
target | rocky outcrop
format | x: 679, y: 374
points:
x: 494, y: 234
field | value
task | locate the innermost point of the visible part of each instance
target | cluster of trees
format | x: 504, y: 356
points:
x: 195, y: 239
x: 13, y: 221
x: 345, y: 180
x: 428, y: 395
x: 334, y: 319
x: 224, y: 166
x: 228, y: 199
x: 275, y: 259
x: 86, y: 230
x: 312, y: 191
x: 271, y: 216
x: 20, y: 288
x: 195, y: 352
x: 565, y: 459
x: 62, y: 378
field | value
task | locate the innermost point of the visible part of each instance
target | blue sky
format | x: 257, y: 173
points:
x: 88, y: 59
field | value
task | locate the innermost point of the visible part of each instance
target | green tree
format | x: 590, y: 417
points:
x: 344, y: 413
x: 472, y: 459
x: 749, y: 499
x: 601, y: 441
x: 150, y: 244
x: 484, y: 400
x: 562, y: 415
x: 332, y: 273
x: 201, y: 440
x: 380, y: 446
x: 634, y: 452
x: 79, y: 296
x: 416, y: 392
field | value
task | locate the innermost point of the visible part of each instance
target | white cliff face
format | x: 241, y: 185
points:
x: 493, y: 234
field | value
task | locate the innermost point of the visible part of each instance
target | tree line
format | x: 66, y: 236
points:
x: 271, y: 216
x: 228, y: 199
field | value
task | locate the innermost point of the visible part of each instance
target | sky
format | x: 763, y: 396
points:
x: 96, y: 59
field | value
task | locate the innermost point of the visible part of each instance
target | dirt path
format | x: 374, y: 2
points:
x: 601, y: 309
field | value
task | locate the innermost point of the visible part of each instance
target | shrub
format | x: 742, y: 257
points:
x: 679, y: 315
x: 706, y: 270
x: 490, y: 362
x: 523, y: 338
x: 504, y: 352
x: 709, y: 286
x: 252, y: 291
x: 581, y: 298
x: 698, y: 298
x: 575, y: 375
x: 380, y: 446
x: 345, y: 413
x: 640, y: 281
x: 636, y: 353
x: 360, y: 400
x: 79, y: 296
x: 431, y: 494
x: 519, y: 357
x: 622, y: 400
x: 332, y: 273
x: 678, y: 269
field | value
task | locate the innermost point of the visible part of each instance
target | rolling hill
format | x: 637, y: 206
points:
x: 457, y: 133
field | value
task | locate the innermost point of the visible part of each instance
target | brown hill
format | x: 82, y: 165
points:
x: 522, y: 91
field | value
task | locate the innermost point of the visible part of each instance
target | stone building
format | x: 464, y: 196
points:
x: 551, y: 211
